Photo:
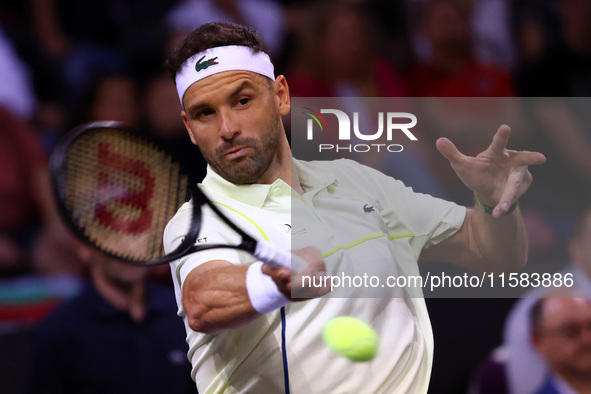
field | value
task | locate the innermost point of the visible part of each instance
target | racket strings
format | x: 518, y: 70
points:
x: 121, y: 191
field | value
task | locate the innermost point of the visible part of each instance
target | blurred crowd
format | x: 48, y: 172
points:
x: 65, y: 62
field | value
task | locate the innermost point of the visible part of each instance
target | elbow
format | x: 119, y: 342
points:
x: 199, y: 310
x: 208, y: 319
x: 199, y: 320
x: 201, y: 325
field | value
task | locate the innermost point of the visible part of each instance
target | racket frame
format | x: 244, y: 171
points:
x: 58, y: 165
x: 58, y: 169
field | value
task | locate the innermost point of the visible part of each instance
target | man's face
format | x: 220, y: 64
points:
x: 447, y: 28
x: 234, y: 118
x: 345, y: 45
x: 564, y: 337
x: 111, y: 271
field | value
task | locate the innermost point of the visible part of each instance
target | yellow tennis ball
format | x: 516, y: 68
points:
x: 351, y: 338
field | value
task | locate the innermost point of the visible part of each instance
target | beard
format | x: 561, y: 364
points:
x: 251, y: 167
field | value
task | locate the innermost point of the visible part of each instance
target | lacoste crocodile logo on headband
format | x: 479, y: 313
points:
x: 205, y: 64
x: 220, y: 59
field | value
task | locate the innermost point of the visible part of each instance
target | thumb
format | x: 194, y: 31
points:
x: 449, y: 150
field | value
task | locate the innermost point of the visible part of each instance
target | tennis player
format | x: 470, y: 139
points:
x: 246, y: 332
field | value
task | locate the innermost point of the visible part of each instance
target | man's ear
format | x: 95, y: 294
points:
x: 281, y: 90
x: 186, y: 123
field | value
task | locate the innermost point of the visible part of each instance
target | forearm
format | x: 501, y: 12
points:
x: 215, y: 298
x: 218, y: 295
x: 501, y: 243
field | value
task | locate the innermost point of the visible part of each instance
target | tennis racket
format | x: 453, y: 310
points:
x: 117, y: 189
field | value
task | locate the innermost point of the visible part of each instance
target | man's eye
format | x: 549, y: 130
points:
x: 243, y: 101
x: 204, y: 113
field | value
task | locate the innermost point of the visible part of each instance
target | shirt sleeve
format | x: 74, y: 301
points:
x: 212, y: 231
x: 430, y: 219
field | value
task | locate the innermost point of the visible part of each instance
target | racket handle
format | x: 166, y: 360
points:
x: 279, y: 258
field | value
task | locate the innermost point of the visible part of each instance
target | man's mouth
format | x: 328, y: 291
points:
x: 237, y: 152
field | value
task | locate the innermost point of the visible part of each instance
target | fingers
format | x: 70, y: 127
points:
x: 501, y: 139
x: 293, y: 285
x: 312, y: 256
x: 279, y: 275
x: 449, y: 151
x: 519, y: 179
x: 316, y: 284
x: 525, y: 158
x: 517, y: 184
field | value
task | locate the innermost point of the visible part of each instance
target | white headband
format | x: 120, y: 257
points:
x: 219, y: 59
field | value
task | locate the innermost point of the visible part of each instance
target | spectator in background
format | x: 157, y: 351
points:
x: 97, y: 36
x: 66, y: 43
x: 337, y: 56
x: 119, y: 335
x: 560, y: 67
x: 267, y: 16
x: 16, y: 91
x: 491, y: 29
x: 161, y: 111
x: 490, y: 26
x: 160, y: 118
x: 26, y: 203
x: 111, y: 97
x: 555, y: 57
x: 536, y: 28
x: 525, y: 368
x: 28, y: 78
x: 563, y: 133
x: 452, y: 70
x: 561, y: 333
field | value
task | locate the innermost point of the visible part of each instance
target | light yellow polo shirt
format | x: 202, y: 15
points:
x: 364, y: 222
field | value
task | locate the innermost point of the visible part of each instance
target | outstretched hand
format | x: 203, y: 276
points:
x: 292, y: 285
x: 498, y: 176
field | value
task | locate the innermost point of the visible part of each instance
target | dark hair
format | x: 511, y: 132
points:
x: 211, y: 35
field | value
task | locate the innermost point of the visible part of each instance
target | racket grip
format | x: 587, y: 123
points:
x: 279, y: 258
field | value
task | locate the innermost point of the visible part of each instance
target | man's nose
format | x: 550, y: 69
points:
x: 228, y: 127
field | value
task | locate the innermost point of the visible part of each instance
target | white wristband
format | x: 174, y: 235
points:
x: 262, y: 291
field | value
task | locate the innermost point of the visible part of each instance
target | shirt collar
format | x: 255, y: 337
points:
x: 312, y: 179
x: 255, y: 195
